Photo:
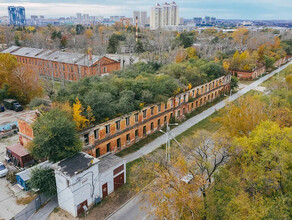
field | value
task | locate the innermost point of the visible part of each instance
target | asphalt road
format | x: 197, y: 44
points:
x: 132, y: 209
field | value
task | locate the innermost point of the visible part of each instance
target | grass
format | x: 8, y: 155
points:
x: 139, y: 144
x: 26, y: 200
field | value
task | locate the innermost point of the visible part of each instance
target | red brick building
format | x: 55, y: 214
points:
x: 63, y: 65
x: 121, y: 132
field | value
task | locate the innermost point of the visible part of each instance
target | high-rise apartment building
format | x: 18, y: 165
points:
x: 142, y: 17
x: 165, y: 15
x: 16, y: 15
x: 79, y: 16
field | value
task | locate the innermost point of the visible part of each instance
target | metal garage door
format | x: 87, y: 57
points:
x: 118, y: 181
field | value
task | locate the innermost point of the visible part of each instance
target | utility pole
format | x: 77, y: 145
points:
x: 168, y: 138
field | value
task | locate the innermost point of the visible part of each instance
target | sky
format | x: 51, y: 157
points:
x: 225, y: 9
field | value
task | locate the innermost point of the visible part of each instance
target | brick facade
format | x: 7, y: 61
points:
x: 62, y: 65
x: 121, y: 132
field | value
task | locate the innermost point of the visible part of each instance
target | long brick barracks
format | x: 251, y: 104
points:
x: 121, y: 132
x: 63, y: 65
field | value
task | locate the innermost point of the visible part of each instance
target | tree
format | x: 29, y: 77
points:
x: 241, y: 117
x: 269, y: 62
x: 80, y: 120
x: 44, y: 180
x: 234, y: 82
x: 55, y: 137
x: 257, y: 180
x: 25, y: 83
x: 88, y: 33
x: 139, y: 47
x: 8, y: 63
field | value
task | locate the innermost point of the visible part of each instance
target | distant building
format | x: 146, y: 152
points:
x: 213, y: 20
x: 181, y: 20
x: 79, y: 16
x: 198, y: 21
x: 207, y: 20
x: 165, y: 15
x: 142, y: 18
x: 86, y: 17
x: 63, y: 65
x: 16, y: 15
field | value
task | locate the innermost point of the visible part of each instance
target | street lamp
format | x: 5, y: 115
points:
x: 168, y: 135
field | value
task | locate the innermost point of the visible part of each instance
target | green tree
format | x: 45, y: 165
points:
x: 269, y: 62
x: 139, y: 47
x: 44, y: 180
x: 55, y: 137
x: 234, y: 82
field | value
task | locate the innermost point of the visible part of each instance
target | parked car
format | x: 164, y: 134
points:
x: 12, y: 104
x: 3, y: 170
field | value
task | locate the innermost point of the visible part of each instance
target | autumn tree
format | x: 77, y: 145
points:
x: 241, y: 117
x: 25, y: 83
x: 55, y: 137
x: 256, y: 183
x: 78, y: 115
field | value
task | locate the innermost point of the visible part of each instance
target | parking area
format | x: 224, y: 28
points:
x: 9, y: 116
x: 8, y: 193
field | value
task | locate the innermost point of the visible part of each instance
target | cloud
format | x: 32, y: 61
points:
x: 242, y: 9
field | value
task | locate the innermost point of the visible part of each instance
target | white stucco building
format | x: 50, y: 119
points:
x: 82, y: 180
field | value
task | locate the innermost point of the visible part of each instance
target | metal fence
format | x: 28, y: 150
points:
x: 32, y: 207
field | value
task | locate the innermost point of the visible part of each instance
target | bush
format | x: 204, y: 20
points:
x: 37, y: 102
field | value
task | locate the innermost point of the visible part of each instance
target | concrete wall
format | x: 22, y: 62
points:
x: 73, y: 191
x: 108, y: 177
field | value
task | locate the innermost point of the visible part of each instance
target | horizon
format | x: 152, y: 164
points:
x: 232, y: 9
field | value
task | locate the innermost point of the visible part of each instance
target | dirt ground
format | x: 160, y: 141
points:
x: 8, y: 193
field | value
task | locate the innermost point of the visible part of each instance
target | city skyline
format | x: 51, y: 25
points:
x: 232, y: 9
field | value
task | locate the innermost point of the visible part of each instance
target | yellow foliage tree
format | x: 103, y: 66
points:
x: 226, y: 65
x: 80, y: 120
x: 88, y: 33
x: 191, y: 53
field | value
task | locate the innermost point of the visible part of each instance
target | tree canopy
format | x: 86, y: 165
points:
x: 55, y: 137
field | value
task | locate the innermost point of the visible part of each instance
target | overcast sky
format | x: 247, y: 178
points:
x: 241, y: 9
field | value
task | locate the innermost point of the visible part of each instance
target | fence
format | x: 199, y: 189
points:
x: 32, y: 207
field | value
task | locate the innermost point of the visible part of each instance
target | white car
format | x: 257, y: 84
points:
x: 3, y: 170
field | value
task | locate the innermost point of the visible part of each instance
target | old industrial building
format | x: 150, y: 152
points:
x: 63, y: 65
x: 121, y: 132
x: 83, y: 180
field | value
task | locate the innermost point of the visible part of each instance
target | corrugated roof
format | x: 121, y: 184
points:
x: 51, y: 55
x: 25, y: 174
x: 108, y: 161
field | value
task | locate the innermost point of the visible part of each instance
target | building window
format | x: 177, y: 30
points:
x: 184, y: 110
x: 128, y: 137
x: 104, y: 69
x: 152, y: 126
x: 159, y: 107
x: 96, y: 133
x: 71, y: 68
x: 171, y: 103
x: 152, y: 110
x: 165, y: 119
x: 136, y: 134
x: 136, y: 117
x: 127, y: 121
x: 171, y: 115
x: 144, y: 113
x: 165, y: 106
x: 97, y: 152
x: 86, y: 139
x: 184, y: 98
x: 118, y: 125
x: 144, y: 130
x: 158, y: 122
x: 107, y: 129
x: 192, y: 105
x: 119, y: 143
x: 193, y: 93
x: 178, y: 113
x: 108, y: 147
x: 178, y: 100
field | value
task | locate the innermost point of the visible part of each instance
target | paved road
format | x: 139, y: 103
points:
x: 132, y: 210
x: 44, y: 212
x: 196, y: 119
